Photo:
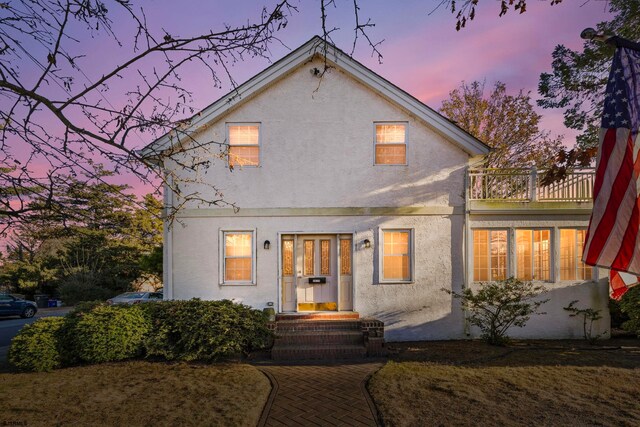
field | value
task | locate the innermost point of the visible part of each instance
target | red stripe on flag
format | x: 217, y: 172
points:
x: 618, y: 190
x: 617, y: 285
x: 627, y: 247
x: 608, y: 143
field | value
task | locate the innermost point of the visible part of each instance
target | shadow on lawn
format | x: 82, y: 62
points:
x: 617, y: 352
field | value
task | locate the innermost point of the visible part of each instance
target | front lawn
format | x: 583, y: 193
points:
x: 531, y: 383
x: 135, y: 393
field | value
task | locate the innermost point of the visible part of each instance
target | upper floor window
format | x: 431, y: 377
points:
x: 396, y: 256
x: 244, y: 144
x: 391, y: 144
x: 571, y: 265
x: 489, y: 255
x: 533, y: 254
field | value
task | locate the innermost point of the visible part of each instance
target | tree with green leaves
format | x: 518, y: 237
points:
x: 507, y: 123
x: 578, y: 80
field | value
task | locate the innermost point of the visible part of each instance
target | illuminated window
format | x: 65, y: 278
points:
x: 571, y: 265
x: 238, y: 257
x: 244, y: 144
x: 391, y: 144
x: 489, y: 255
x: 533, y: 253
x: 396, y: 256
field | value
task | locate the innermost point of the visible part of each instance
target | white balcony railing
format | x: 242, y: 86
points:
x: 525, y: 185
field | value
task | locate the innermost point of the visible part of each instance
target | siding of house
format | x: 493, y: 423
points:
x: 317, y: 175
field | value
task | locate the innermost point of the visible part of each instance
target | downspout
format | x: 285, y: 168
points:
x: 167, y: 271
x: 465, y: 257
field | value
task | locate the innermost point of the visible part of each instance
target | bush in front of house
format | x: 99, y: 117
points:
x: 35, y: 347
x: 496, y: 306
x: 108, y: 333
x: 630, y: 306
x: 204, y: 330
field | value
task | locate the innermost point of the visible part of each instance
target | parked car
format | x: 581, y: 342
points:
x: 135, y: 298
x: 12, y: 306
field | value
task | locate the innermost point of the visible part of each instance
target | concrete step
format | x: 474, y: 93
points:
x: 318, y: 352
x: 346, y: 337
x: 318, y: 325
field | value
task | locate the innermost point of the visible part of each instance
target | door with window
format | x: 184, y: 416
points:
x: 317, y: 278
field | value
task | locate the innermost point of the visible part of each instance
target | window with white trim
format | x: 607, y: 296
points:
x: 244, y: 144
x: 571, y: 246
x: 390, y: 143
x: 396, y: 256
x: 238, y: 257
x: 489, y: 255
x: 533, y: 254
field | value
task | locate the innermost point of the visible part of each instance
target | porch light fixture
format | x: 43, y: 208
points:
x: 366, y: 243
x: 267, y: 244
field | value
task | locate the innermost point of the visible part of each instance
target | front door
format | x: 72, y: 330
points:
x: 317, y: 279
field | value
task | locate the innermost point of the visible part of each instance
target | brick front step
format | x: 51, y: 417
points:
x: 315, y: 352
x: 318, y: 325
x: 347, y: 337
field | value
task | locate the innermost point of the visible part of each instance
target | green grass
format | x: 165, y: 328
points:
x: 135, y: 394
x: 471, y: 384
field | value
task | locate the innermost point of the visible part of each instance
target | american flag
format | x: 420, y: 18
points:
x: 613, y: 237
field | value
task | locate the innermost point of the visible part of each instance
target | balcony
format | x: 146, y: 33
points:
x: 522, y: 189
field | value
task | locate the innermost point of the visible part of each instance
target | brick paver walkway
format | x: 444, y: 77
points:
x: 320, y: 395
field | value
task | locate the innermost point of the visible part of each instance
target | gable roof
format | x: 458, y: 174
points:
x: 337, y: 58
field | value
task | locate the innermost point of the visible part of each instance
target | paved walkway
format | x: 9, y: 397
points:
x: 319, y: 395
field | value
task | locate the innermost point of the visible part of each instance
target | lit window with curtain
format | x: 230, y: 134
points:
x: 390, y: 143
x: 238, y: 255
x: 533, y: 255
x: 396, y: 256
x: 489, y: 255
x: 571, y: 265
x: 244, y: 144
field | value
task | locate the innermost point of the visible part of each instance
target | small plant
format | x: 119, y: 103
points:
x: 35, y: 348
x: 496, y: 306
x: 589, y: 315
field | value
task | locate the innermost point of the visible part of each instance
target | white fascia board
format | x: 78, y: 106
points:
x: 452, y: 132
x: 455, y: 134
x: 245, y: 90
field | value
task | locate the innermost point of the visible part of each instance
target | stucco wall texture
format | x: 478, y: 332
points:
x: 317, y: 151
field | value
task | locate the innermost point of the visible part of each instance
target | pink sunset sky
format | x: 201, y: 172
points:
x: 422, y: 52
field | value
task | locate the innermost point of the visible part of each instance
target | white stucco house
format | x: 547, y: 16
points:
x: 354, y: 196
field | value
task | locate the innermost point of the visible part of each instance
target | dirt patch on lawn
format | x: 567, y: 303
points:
x: 135, y: 394
x: 525, y: 383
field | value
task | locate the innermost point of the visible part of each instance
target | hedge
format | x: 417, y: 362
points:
x: 174, y: 330
x: 36, y: 347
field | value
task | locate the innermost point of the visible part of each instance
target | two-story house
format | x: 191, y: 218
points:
x: 356, y: 197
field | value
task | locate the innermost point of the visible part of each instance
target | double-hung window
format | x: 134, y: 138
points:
x: 571, y: 245
x: 390, y: 142
x: 533, y: 255
x: 244, y: 144
x: 489, y: 255
x: 396, y: 256
x: 238, y: 257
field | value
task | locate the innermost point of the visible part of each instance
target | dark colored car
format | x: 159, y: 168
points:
x: 12, y: 306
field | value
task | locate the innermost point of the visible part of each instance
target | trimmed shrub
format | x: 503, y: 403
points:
x: 204, y: 330
x: 630, y: 305
x: 35, y: 348
x: 106, y: 334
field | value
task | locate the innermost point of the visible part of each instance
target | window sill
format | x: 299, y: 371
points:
x: 396, y: 282
x: 231, y: 284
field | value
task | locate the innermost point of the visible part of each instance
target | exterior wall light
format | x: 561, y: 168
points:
x: 366, y: 243
x: 267, y: 244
